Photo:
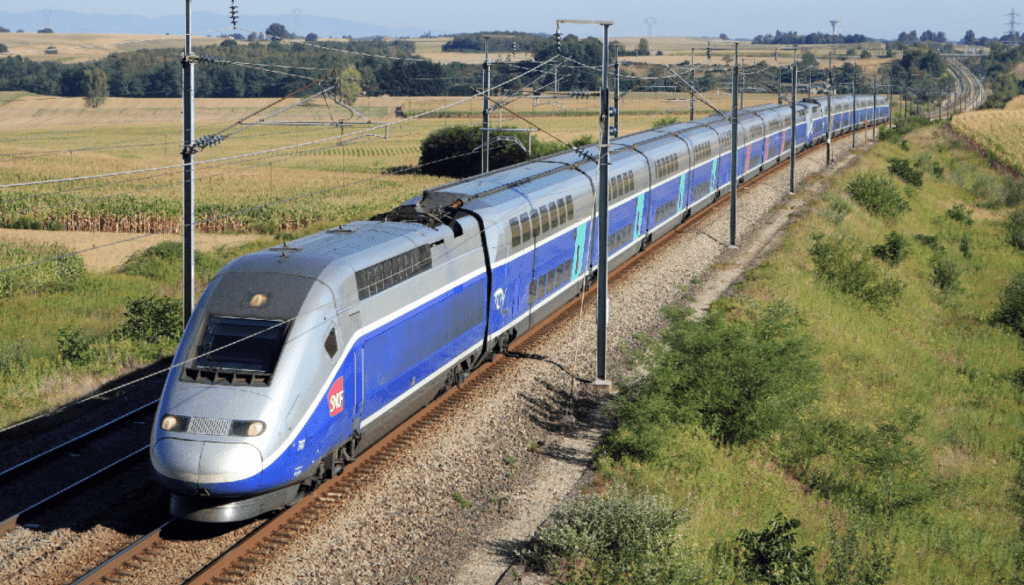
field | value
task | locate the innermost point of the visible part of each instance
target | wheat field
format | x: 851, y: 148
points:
x: 997, y: 131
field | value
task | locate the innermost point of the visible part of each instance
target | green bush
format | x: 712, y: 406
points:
x: 902, y: 168
x: 902, y: 127
x: 665, y: 121
x: 945, y: 272
x: 961, y: 214
x: 150, y: 319
x: 1015, y: 229
x: 741, y: 380
x: 893, y: 251
x: 770, y: 556
x: 1010, y: 311
x: 163, y: 262
x: 1013, y: 192
x: 840, y: 264
x: 931, y: 242
x: 837, y: 209
x: 73, y: 347
x: 878, y: 194
x: 614, y: 538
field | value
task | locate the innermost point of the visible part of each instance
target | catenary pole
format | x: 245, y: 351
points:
x: 828, y: 129
x: 485, y: 145
x: 188, y: 199
x: 735, y: 144
x: 792, y: 132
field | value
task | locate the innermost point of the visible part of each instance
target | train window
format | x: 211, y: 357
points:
x: 561, y: 211
x: 553, y: 211
x: 551, y: 280
x: 568, y: 270
x: 533, y: 291
x: 542, y: 284
x: 568, y: 206
x: 241, y: 345
x: 524, y: 222
x: 535, y: 219
x: 632, y: 182
x: 560, y: 276
x: 517, y: 238
x: 383, y: 275
x: 545, y: 222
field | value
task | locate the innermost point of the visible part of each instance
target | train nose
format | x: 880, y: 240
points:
x: 195, y: 465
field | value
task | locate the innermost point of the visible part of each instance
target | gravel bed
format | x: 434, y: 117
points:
x: 457, y: 507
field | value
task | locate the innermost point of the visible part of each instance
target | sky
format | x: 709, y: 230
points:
x: 737, y: 18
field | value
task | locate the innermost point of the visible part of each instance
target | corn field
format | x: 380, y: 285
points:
x: 998, y: 132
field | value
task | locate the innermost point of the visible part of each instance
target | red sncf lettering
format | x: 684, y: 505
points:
x: 336, y: 396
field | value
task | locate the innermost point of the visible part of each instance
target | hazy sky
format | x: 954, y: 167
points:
x: 736, y: 18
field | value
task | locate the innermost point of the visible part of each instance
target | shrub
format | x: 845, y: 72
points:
x: 739, y: 379
x: 961, y: 214
x: 1010, y: 311
x: 150, y: 319
x: 931, y: 242
x: 945, y: 272
x: 902, y: 127
x: 665, y: 121
x: 838, y: 263
x: 73, y: 347
x: 770, y: 556
x: 878, y: 194
x: 1015, y: 229
x: 838, y: 208
x: 616, y: 537
x: 163, y: 261
x: 893, y: 251
x: 1013, y: 192
x: 902, y: 168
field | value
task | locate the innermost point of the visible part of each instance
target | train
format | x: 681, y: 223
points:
x: 299, y: 357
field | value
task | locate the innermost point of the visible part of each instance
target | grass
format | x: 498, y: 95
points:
x: 929, y: 383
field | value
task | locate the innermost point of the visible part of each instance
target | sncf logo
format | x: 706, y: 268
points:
x: 336, y: 397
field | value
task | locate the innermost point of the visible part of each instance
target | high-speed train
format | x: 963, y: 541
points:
x: 300, y: 356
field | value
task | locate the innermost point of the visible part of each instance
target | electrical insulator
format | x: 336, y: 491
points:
x: 234, y: 14
x: 709, y: 51
x: 558, y: 42
x: 613, y: 132
x: 776, y: 54
x: 612, y: 111
x: 513, y: 48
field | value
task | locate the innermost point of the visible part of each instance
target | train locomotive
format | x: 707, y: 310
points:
x: 299, y: 357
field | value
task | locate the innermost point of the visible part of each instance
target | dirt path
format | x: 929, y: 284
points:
x: 104, y: 251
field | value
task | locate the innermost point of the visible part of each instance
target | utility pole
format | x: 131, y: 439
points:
x: 615, y: 108
x: 693, y: 81
x: 602, y: 230
x: 874, y: 105
x: 485, y: 145
x: 854, y: 87
x: 188, y: 128
x: 735, y: 143
x: 792, y: 132
x: 828, y: 130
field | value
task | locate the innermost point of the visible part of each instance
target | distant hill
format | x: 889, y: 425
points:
x: 63, y: 21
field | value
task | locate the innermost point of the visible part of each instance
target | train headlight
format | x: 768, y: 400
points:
x: 174, y: 423
x: 248, y: 428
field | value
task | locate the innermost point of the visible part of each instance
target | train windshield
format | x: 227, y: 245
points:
x: 241, y: 345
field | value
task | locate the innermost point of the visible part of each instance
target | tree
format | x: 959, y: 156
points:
x: 969, y: 38
x: 643, y: 48
x: 312, y: 38
x: 277, y: 30
x: 865, y: 54
x: 3, y: 48
x: 46, y: 30
x: 94, y: 82
x: 349, y: 85
x: 724, y: 37
x: 807, y: 60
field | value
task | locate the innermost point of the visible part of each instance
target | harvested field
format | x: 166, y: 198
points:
x: 77, y: 48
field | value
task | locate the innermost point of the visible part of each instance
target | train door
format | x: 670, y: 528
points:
x: 358, y: 372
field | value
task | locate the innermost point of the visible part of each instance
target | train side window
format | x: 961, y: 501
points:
x: 535, y: 219
x: 632, y: 182
x: 551, y: 280
x: 545, y: 222
x: 561, y: 211
x: 553, y: 211
x: 517, y: 237
x: 542, y: 284
x: 331, y: 344
x: 561, y: 276
x: 568, y: 269
x: 568, y: 207
x: 524, y: 223
x: 533, y: 291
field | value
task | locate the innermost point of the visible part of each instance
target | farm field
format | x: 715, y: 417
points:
x: 996, y: 131
x: 301, y: 176
x: 79, y: 48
